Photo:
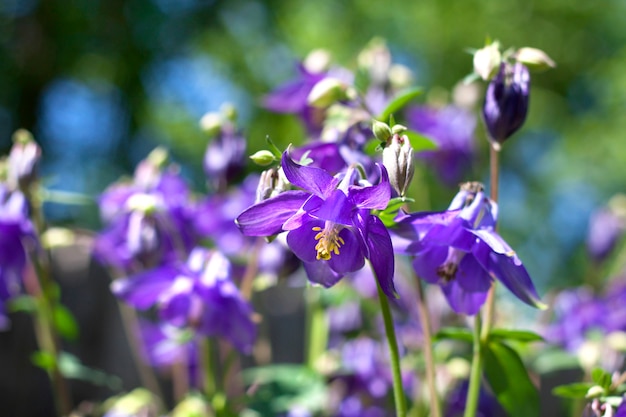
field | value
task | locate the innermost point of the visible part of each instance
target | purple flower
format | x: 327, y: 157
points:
x: 460, y: 250
x: 506, y: 101
x: 605, y: 229
x: 149, y: 221
x: 330, y: 226
x: 199, y: 294
x: 15, y: 229
x: 224, y: 158
x: 452, y: 129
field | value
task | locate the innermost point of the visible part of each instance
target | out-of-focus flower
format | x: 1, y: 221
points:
x: 330, y: 226
x: 199, y: 294
x: 15, y: 230
x: 506, y: 101
x: 460, y: 250
x: 224, y: 158
x: 488, y: 405
x: 23, y: 160
x: 149, y: 221
x: 606, y: 226
x: 452, y: 129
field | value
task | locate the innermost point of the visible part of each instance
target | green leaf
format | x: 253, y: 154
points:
x: 44, y: 360
x: 399, y: 102
x: 601, y: 377
x: 454, y: 333
x: 24, y: 303
x: 71, y: 367
x: 65, y: 322
x: 576, y: 390
x: 509, y: 380
x: 280, y: 387
x: 420, y: 142
x: 555, y: 359
x: 516, y: 335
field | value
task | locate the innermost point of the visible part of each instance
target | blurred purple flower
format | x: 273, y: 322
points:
x: 452, y: 129
x: 506, y: 101
x: 605, y: 228
x: 15, y: 229
x: 460, y: 250
x: 199, y: 294
x: 149, y: 221
x: 224, y: 158
x: 329, y: 224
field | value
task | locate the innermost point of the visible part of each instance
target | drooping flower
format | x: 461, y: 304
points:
x: 15, y: 229
x: 452, y: 129
x: 506, y: 101
x: 606, y: 227
x: 199, y: 294
x: 224, y: 158
x: 329, y: 223
x: 460, y: 250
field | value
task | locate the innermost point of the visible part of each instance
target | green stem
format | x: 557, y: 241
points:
x: 317, y: 327
x: 394, y: 356
x: 435, y: 407
x: 473, y: 390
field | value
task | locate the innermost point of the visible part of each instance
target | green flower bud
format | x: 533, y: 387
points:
x: 398, y: 159
x: 211, y: 123
x: 398, y: 129
x: 317, y: 61
x: 595, y: 392
x: 487, y: 61
x: 192, y: 406
x: 159, y: 157
x: 381, y: 130
x: 326, y: 92
x: 534, y: 59
x: 263, y: 157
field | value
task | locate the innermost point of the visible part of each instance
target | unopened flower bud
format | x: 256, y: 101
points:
x: 263, y: 157
x: 381, y: 131
x: 398, y: 159
x: 326, y: 92
x: 23, y: 160
x: 211, y: 123
x: 398, y: 129
x: 506, y: 101
x: 487, y: 61
x: 534, y: 59
x: 317, y: 61
x: 595, y: 392
x: 271, y: 183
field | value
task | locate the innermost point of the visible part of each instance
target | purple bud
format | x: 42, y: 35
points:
x: 23, y: 160
x: 506, y: 101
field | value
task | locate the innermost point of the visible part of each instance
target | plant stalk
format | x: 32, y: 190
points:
x: 435, y: 406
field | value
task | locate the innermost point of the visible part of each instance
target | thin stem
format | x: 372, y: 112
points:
x: 394, y: 356
x: 494, y: 168
x: 317, y: 327
x: 435, y: 407
x: 473, y: 391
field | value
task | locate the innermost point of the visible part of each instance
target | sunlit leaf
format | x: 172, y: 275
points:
x: 399, y: 102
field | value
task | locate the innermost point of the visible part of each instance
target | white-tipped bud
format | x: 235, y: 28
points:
x: 487, y: 61
x: 381, y: 131
x: 263, y: 157
x: 211, y: 123
x: 534, y: 59
x: 327, y: 92
x: 271, y: 183
x: 398, y: 159
x: 317, y: 61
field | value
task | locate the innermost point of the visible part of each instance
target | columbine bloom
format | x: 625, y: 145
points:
x: 15, y: 228
x: 506, y: 101
x: 460, y: 250
x: 198, y: 294
x: 329, y: 224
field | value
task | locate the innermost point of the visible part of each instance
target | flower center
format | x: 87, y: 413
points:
x: 328, y: 241
x: 447, y: 270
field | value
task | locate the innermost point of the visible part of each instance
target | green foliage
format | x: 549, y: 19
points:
x: 399, y: 102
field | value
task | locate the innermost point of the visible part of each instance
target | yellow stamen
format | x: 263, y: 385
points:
x: 329, y: 241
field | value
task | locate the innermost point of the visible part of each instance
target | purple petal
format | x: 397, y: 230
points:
x: 267, y: 217
x: 373, y: 197
x: 381, y: 255
x: 319, y: 272
x: 302, y: 240
x: 471, y: 276
x: 454, y: 235
x: 461, y: 301
x: 350, y: 258
x: 143, y: 290
x: 497, y: 257
x: 415, y: 226
x: 324, y: 155
x: 428, y: 261
x: 336, y: 208
x: 311, y: 179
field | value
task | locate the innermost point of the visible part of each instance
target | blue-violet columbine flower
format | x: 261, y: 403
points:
x: 460, y: 250
x: 329, y: 223
x: 198, y: 294
x: 506, y: 101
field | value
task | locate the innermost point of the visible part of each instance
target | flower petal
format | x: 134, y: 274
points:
x: 267, y: 217
x: 336, y: 208
x: 381, y: 255
x: 311, y: 179
x: 372, y: 197
x: 143, y: 290
x: 320, y: 272
x: 497, y: 257
x: 461, y: 301
x: 302, y: 240
x: 471, y: 276
x: 428, y: 261
x: 350, y: 257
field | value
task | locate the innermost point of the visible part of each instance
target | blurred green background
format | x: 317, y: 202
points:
x: 100, y: 83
